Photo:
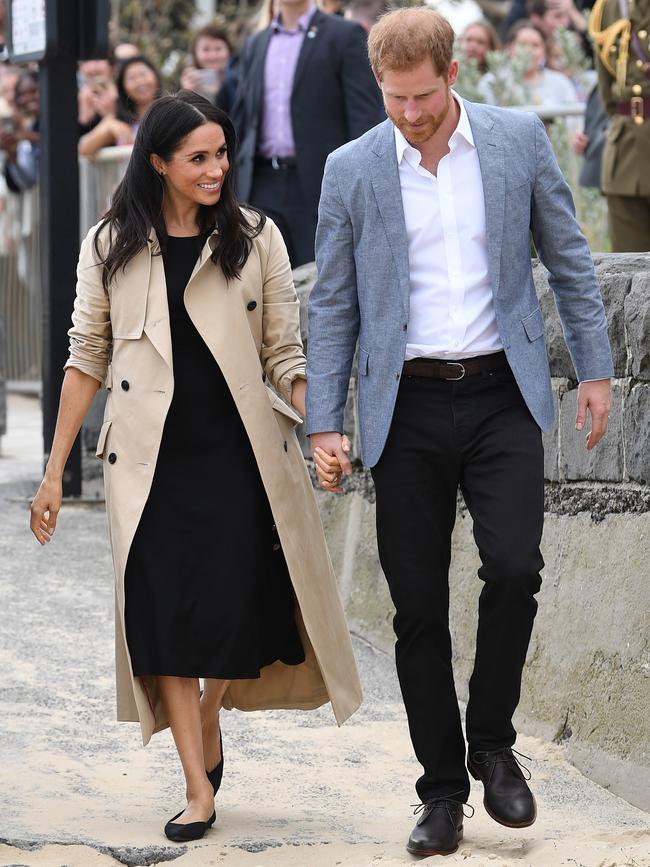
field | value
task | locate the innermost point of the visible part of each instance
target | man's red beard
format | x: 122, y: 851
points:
x: 427, y: 125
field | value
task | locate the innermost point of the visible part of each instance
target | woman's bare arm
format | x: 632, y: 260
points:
x: 77, y: 394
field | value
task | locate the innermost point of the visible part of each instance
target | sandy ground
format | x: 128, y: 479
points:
x: 79, y: 790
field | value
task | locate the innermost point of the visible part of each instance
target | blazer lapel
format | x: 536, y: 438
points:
x: 256, y: 76
x: 207, y: 299
x: 388, y: 194
x: 316, y: 22
x: 491, y: 158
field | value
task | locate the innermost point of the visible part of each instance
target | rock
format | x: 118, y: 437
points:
x: 304, y: 278
x: 637, y: 321
x: 550, y: 438
x: 604, y: 463
x: 636, y: 424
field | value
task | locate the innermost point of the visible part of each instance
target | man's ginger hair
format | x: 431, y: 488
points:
x: 406, y: 37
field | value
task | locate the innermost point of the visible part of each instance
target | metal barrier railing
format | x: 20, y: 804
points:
x: 20, y: 283
x: 98, y: 178
x: 20, y: 279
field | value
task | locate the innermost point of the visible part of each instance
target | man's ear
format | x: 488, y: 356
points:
x: 452, y: 75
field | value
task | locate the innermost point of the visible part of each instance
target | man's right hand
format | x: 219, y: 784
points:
x: 330, y: 452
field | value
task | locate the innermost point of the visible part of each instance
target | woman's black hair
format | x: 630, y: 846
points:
x: 137, y: 204
x: 126, y: 108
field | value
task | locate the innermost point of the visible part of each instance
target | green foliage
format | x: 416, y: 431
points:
x: 160, y: 28
x: 591, y: 208
x: 506, y: 77
x: 469, y: 77
x: 505, y: 85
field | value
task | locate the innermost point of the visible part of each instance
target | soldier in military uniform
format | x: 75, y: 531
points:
x: 621, y: 34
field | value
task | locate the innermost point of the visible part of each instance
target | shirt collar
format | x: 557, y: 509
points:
x: 463, y: 129
x: 301, y: 26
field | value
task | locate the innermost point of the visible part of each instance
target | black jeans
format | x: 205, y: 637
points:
x: 278, y: 193
x: 476, y: 433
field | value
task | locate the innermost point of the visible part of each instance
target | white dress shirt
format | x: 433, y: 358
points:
x: 451, y: 303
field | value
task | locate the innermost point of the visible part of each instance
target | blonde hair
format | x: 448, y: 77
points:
x: 406, y: 37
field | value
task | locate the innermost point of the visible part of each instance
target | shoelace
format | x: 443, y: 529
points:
x: 427, y: 806
x: 507, y: 756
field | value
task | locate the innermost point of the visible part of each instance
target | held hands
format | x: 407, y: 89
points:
x: 597, y: 397
x: 45, y: 509
x: 330, y: 452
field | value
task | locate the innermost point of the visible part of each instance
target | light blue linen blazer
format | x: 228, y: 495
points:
x: 362, y: 290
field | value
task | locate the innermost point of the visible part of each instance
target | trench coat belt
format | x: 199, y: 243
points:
x: 453, y: 370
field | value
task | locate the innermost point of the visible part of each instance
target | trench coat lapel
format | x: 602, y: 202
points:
x: 388, y: 194
x: 156, y: 324
x: 206, y: 300
x: 492, y: 161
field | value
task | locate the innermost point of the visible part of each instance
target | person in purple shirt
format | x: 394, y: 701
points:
x: 305, y: 89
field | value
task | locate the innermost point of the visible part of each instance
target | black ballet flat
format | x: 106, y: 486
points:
x: 216, y: 774
x: 180, y: 833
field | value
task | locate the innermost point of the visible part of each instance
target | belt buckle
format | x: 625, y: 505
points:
x: 637, y: 111
x: 455, y: 364
x: 275, y: 163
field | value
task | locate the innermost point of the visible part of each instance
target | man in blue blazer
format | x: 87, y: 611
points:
x: 423, y: 254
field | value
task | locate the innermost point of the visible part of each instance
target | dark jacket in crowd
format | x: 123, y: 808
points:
x: 596, y: 124
x: 335, y: 98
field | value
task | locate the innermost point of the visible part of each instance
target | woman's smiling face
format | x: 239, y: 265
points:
x: 197, y: 168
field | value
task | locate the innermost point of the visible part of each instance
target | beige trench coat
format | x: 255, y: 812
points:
x: 251, y: 326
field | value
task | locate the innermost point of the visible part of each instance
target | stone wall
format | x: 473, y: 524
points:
x: 587, y: 678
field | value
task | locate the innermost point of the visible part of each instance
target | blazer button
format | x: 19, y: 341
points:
x: 251, y: 305
x: 125, y: 385
x: 112, y: 458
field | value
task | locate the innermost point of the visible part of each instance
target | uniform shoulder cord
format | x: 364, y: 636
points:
x: 605, y: 42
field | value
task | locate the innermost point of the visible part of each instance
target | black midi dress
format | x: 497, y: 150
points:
x: 207, y: 590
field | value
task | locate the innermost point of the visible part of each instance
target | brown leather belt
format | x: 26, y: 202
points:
x: 637, y: 107
x: 454, y: 370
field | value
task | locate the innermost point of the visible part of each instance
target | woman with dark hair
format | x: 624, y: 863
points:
x: 138, y: 84
x: 186, y: 308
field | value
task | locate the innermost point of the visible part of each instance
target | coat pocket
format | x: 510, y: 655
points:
x: 280, y: 406
x: 534, y: 324
x: 127, y: 314
x: 101, y: 441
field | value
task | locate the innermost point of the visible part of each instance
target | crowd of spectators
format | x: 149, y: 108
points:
x: 539, y: 54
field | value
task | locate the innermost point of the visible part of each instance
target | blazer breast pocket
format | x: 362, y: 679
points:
x: 534, y: 325
x: 518, y: 187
